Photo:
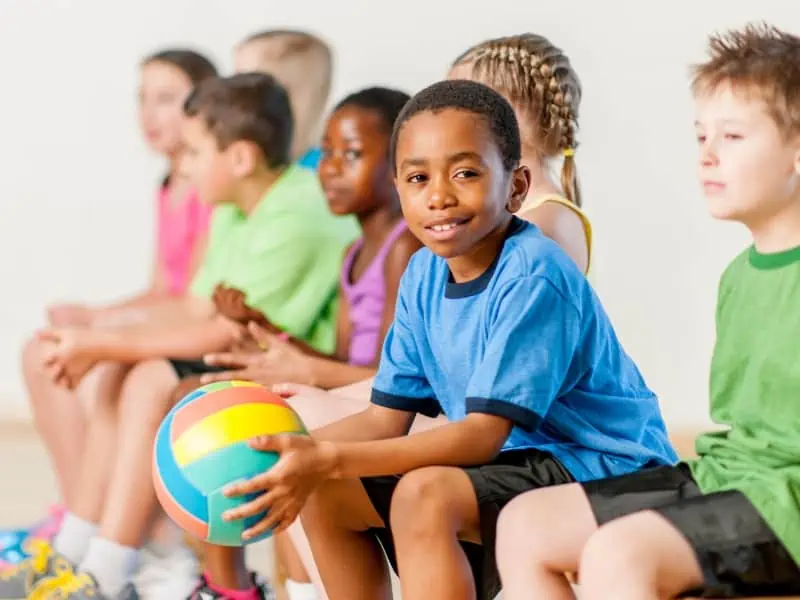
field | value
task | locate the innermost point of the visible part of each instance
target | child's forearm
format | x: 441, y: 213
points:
x: 153, y: 309
x: 372, y: 423
x: 329, y: 373
x: 475, y: 440
x: 187, y: 341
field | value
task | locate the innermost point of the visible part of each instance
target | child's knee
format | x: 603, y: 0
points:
x: 32, y: 357
x: 515, y: 525
x: 341, y: 504
x: 423, y: 502
x: 184, y: 388
x: 147, y: 390
x: 609, y: 554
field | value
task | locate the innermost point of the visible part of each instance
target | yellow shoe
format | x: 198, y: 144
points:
x: 76, y: 586
x: 19, y: 581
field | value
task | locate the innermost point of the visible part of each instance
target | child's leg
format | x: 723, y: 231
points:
x: 225, y: 567
x: 638, y: 557
x: 716, y: 545
x: 337, y: 519
x: 130, y: 502
x: 540, y: 537
x: 432, y: 509
x: 100, y: 443
x: 99, y: 449
x: 59, y: 418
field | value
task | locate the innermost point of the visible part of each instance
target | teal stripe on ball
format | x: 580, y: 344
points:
x: 231, y: 463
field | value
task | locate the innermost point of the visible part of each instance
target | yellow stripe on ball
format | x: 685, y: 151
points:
x: 232, y: 425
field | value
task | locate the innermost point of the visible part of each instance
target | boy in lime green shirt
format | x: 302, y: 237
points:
x: 726, y: 524
x: 272, y: 238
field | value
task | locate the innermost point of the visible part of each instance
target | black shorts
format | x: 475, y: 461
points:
x: 190, y: 368
x: 509, y: 475
x: 738, y: 553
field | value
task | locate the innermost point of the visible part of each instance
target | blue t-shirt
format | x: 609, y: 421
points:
x: 528, y: 341
x: 310, y: 160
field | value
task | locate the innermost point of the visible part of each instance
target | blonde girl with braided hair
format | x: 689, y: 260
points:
x: 539, y: 82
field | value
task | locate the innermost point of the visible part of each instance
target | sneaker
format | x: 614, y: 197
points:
x: 202, y: 591
x: 12, y: 542
x: 77, y: 586
x: 44, y: 564
x: 12, y: 551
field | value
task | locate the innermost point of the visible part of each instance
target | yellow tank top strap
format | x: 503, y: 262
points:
x: 534, y: 203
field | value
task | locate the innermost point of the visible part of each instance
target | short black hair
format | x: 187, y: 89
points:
x: 249, y: 106
x: 472, y: 97
x: 385, y: 102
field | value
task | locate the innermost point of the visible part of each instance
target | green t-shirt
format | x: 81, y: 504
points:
x: 755, y: 391
x: 285, y: 256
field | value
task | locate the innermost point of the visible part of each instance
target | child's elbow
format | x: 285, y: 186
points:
x: 486, y: 436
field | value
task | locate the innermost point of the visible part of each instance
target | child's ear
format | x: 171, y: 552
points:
x: 243, y: 158
x: 520, y: 184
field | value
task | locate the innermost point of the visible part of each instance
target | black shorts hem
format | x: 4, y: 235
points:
x: 509, y: 475
x: 737, y: 552
x: 191, y: 368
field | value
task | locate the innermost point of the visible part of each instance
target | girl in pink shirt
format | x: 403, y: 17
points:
x: 167, y: 77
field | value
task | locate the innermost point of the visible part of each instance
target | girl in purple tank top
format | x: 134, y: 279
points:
x: 357, y: 180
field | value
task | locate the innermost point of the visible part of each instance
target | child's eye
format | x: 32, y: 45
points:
x: 701, y: 139
x: 416, y: 178
x: 732, y: 136
x: 352, y: 154
x: 465, y: 174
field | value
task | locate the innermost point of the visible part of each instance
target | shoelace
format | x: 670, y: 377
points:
x: 39, y: 551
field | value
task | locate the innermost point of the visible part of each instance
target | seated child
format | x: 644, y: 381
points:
x: 356, y: 178
x: 496, y: 327
x: 726, y: 524
x: 166, y: 78
x: 541, y: 85
x: 272, y: 237
x: 303, y: 64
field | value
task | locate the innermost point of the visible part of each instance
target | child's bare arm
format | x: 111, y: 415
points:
x: 133, y: 344
x: 373, y: 423
x: 475, y: 440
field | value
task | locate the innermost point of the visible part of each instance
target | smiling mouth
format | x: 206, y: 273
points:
x: 446, y: 229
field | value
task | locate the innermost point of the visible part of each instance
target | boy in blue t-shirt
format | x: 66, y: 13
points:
x: 496, y: 327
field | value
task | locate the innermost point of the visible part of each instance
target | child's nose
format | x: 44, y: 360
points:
x: 440, y: 194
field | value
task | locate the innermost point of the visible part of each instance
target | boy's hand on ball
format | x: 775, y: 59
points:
x: 304, y: 464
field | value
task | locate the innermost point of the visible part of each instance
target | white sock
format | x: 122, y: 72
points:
x: 111, y: 564
x: 298, y: 590
x: 72, y: 540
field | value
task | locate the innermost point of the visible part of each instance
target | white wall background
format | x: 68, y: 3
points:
x: 76, y: 182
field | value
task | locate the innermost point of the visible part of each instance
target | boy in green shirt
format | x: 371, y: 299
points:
x: 273, y: 238
x: 726, y: 524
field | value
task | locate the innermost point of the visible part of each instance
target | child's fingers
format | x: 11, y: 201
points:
x: 260, y: 335
x: 222, y: 359
x: 221, y: 376
x: 277, y: 515
x: 287, y: 390
x: 247, y: 486
x: 48, y: 335
x: 255, y: 507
